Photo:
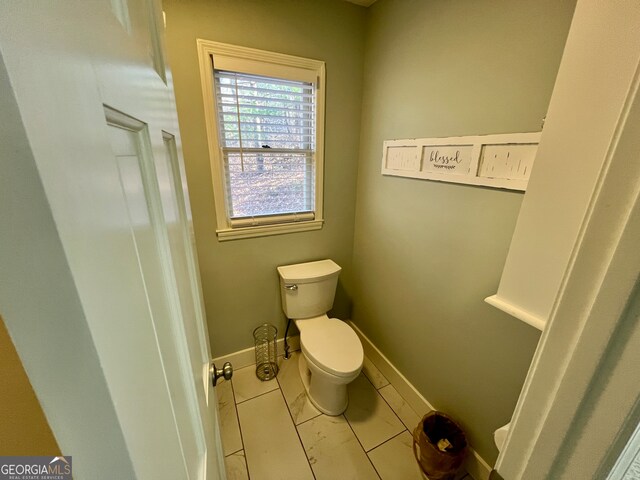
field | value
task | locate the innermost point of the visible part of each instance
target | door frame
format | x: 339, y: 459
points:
x: 580, y: 401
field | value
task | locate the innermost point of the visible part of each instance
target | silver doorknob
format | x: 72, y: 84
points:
x: 225, y: 372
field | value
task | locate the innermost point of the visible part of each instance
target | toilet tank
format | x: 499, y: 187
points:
x: 308, y: 289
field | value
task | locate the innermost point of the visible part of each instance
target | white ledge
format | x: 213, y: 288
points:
x: 266, y: 230
x: 517, y: 312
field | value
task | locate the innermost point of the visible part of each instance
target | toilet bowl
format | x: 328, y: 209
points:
x: 332, y: 354
x: 331, y: 358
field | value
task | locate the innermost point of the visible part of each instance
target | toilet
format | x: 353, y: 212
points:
x: 332, y: 354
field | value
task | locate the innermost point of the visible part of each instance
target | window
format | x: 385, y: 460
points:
x: 265, y: 117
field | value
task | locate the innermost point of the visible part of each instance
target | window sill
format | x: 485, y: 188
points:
x: 267, y: 230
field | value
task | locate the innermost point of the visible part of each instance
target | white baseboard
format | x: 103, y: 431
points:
x: 247, y: 357
x: 474, y: 464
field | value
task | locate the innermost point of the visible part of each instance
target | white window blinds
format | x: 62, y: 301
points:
x: 267, y: 140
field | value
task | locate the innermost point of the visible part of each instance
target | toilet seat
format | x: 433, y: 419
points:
x: 331, y: 345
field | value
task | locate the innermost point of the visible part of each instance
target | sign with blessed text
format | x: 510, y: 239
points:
x: 453, y: 160
x: 499, y: 161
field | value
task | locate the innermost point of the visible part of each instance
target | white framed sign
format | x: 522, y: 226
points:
x: 499, y: 161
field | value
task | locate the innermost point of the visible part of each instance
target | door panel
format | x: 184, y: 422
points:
x: 136, y: 168
x: 177, y: 220
x: 177, y: 229
x: 133, y: 267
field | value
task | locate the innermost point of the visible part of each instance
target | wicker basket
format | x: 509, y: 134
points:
x: 435, y: 463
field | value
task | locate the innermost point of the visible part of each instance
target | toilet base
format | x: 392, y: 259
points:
x: 327, y: 394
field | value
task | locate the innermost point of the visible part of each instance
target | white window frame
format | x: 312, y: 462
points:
x: 277, y: 65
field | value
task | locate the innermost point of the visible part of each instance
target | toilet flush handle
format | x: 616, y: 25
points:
x: 291, y: 286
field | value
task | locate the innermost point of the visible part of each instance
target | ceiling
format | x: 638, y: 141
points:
x: 364, y: 3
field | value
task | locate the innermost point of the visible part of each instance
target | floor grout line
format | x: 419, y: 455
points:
x: 371, y: 381
x: 233, y: 453
x: 295, y: 427
x: 259, y: 395
x: 235, y: 406
x: 309, y: 419
x: 287, y: 403
x: 360, y: 443
x: 396, y: 414
x: 392, y: 409
x: 387, y: 440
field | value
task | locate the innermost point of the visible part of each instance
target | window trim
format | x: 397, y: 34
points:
x: 207, y: 50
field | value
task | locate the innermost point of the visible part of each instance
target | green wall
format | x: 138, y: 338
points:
x: 426, y: 254
x: 239, y: 277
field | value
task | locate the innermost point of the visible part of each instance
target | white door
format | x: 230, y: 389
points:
x: 97, y: 106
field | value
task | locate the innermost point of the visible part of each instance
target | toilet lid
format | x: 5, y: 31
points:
x: 332, y: 345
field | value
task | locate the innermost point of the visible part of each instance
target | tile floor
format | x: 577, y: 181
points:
x: 270, y: 430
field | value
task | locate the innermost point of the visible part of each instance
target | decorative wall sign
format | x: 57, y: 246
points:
x: 500, y: 161
x: 453, y: 160
x: 402, y: 158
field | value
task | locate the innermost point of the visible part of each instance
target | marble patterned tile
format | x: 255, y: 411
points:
x: 408, y: 416
x: 394, y: 460
x: 229, y: 427
x: 289, y: 379
x: 236, y: 466
x: 271, y: 444
x: 373, y: 374
x: 246, y: 385
x: 333, y: 450
x: 371, y: 418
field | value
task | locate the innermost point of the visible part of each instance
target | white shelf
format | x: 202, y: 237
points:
x: 517, y: 312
